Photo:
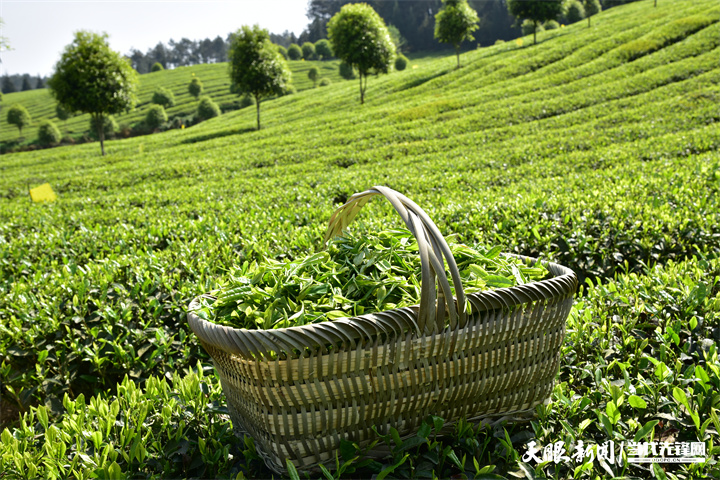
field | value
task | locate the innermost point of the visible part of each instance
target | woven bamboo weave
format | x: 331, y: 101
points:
x: 299, y: 391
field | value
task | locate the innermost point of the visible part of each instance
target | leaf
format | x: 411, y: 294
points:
x: 681, y: 398
x: 388, y: 470
x: 637, y: 402
x: 645, y: 430
x: 527, y: 470
x: 292, y: 471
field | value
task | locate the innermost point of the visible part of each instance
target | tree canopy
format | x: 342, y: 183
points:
x: 454, y: 24
x: 538, y: 11
x: 17, y: 115
x: 256, y: 67
x: 360, y: 38
x: 92, y: 78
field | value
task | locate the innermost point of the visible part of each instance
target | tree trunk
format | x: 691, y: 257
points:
x: 362, y: 92
x: 535, y: 25
x: 257, y: 107
x: 588, y: 21
x: 99, y: 124
x: 457, y: 54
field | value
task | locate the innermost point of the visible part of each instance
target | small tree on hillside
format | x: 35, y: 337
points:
x: 360, y: 38
x: 62, y: 114
x: 195, y: 88
x: 401, y: 62
x: 454, y: 24
x: 256, y: 67
x: 282, y: 51
x: 17, y: 115
x: 157, y: 67
x: 346, y: 71
x: 163, y: 96
x: 207, y: 109
x: 48, y: 133
x: 314, y: 75
x: 574, y: 11
x: 26, y: 83
x: 537, y: 11
x: 308, y: 51
x: 91, y: 78
x: 323, y: 49
x: 155, y: 117
x: 592, y: 7
x: 294, y: 52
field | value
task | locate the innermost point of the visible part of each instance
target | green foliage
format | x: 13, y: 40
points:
x: 92, y: 78
x: 551, y: 25
x: 323, y: 49
x: 163, y: 97
x: 401, y: 62
x: 454, y: 24
x: 282, y: 51
x: 207, y: 109
x: 17, y: 115
x: 48, y: 133
x: 195, y: 87
x: 255, y: 65
x: 592, y: 7
x: 346, y: 71
x: 530, y: 27
x: 105, y: 126
x: 62, y: 113
x: 574, y: 11
x: 157, y: 67
x: 314, y: 75
x: 397, y: 38
x: 358, y: 274
x: 325, y: 82
x: 156, y: 116
x: 308, y: 51
x: 564, y: 151
x: 360, y: 38
x: 294, y: 52
x: 537, y: 11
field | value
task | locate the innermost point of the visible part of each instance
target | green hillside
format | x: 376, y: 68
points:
x: 216, y: 83
x: 597, y: 148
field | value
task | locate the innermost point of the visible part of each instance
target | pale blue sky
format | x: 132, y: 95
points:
x: 38, y: 31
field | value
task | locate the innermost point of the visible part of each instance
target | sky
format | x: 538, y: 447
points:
x: 39, y: 30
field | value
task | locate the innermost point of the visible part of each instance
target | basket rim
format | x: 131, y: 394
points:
x: 253, y: 342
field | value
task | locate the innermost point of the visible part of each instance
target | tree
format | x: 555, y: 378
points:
x: 282, y: 51
x: 196, y: 87
x: 26, y: 83
x: 7, y: 85
x: 323, y: 49
x: 592, y: 7
x: 207, y: 109
x: 454, y: 24
x: 314, y: 74
x: 157, y: 67
x: 155, y: 117
x: 92, y: 78
x: 401, y: 62
x: 537, y: 11
x: 308, y: 51
x: 294, y: 52
x: 163, y: 96
x: 360, y: 38
x: 105, y: 126
x: 397, y: 38
x: 18, y: 116
x: 346, y: 71
x: 574, y: 11
x: 256, y: 67
x: 48, y: 133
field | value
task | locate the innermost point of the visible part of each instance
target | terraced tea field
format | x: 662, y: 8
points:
x: 596, y: 148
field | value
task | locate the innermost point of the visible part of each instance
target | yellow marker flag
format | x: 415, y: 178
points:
x: 43, y: 193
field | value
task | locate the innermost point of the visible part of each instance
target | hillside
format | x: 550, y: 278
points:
x: 216, y: 83
x: 596, y: 148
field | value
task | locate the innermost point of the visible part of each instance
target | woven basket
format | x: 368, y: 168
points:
x: 299, y: 391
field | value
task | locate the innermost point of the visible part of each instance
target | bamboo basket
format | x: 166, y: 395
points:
x: 299, y: 391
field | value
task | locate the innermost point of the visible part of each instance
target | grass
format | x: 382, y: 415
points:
x: 567, y: 150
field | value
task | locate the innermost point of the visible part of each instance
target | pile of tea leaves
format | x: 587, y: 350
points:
x: 356, y: 274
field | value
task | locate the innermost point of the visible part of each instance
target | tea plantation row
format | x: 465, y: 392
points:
x: 570, y: 150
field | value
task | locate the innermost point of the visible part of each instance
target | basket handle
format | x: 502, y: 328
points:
x: 433, y: 250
